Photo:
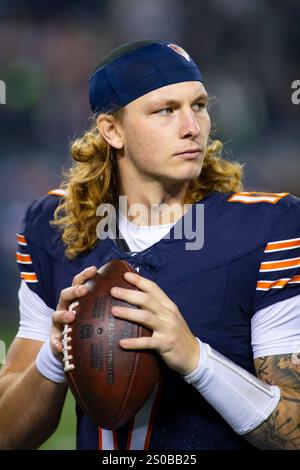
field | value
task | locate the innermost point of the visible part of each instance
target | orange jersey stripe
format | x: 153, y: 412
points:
x: 277, y: 265
x: 283, y: 245
x: 254, y: 197
x: 266, y: 285
x: 279, y: 283
x: 21, y: 258
x: 21, y: 239
x: 57, y: 192
x: 29, y: 277
x: 258, y: 194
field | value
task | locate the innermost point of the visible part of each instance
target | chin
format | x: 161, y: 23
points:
x: 181, y: 180
x: 181, y: 176
x: 189, y: 176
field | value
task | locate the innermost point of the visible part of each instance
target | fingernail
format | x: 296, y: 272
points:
x: 90, y: 267
x: 130, y: 275
x: 115, y: 310
x: 115, y: 290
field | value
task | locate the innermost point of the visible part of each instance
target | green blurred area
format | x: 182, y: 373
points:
x: 65, y: 435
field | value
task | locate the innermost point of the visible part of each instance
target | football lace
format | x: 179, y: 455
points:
x: 66, y: 348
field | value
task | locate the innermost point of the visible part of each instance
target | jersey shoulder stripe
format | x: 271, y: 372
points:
x: 29, y: 277
x: 21, y: 240
x: 266, y: 285
x: 37, y: 240
x: 254, y: 197
x: 279, y: 265
x: 279, y: 268
x: 282, y: 245
x: 57, y: 192
x: 23, y: 258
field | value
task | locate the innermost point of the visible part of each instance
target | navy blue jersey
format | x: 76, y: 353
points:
x: 250, y: 259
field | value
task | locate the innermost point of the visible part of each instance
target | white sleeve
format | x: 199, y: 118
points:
x: 35, y: 315
x: 276, y: 329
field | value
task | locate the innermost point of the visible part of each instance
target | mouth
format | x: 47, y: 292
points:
x: 189, y: 154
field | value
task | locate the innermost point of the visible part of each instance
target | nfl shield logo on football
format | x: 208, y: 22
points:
x: 180, y: 51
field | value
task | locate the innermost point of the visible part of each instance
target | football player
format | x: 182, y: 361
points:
x: 225, y: 313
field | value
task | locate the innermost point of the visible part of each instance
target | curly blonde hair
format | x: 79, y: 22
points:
x: 93, y: 180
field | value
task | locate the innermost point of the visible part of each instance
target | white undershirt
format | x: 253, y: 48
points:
x: 274, y: 329
x: 140, y: 237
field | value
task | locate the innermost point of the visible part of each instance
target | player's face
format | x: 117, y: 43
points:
x: 165, y: 133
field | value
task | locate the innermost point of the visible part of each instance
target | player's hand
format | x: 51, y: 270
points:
x: 64, y: 313
x: 171, y: 337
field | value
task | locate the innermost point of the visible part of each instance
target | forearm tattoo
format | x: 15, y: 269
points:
x: 282, y: 429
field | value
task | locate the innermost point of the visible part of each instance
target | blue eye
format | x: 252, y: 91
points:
x: 165, y: 111
x: 200, y: 106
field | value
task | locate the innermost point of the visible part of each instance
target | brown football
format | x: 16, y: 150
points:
x: 109, y: 383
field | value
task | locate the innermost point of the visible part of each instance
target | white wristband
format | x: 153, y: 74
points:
x: 242, y: 399
x: 48, y: 365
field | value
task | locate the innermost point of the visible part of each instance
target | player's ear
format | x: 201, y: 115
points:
x: 111, y: 131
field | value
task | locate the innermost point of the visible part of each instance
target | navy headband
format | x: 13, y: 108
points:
x: 137, y: 71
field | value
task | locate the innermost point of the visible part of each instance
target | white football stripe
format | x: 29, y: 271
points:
x: 142, y: 423
x: 107, y: 439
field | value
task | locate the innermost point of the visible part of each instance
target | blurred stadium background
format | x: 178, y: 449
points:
x: 248, y: 51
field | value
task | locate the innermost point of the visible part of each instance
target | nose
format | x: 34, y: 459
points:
x: 189, y: 126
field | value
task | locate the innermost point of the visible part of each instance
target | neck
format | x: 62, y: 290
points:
x: 151, y: 205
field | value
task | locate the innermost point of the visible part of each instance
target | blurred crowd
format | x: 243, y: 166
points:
x: 247, y: 50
